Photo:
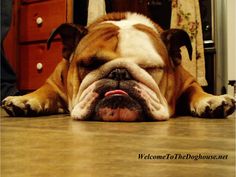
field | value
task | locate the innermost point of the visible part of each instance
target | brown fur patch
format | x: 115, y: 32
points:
x: 115, y: 16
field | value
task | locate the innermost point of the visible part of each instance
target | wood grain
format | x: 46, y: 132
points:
x: 58, y: 146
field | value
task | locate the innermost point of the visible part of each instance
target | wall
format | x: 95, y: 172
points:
x: 231, y: 42
x: 221, y: 45
x: 225, y: 27
x: 231, y: 38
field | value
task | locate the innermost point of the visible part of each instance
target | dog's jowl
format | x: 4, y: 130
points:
x: 123, y: 67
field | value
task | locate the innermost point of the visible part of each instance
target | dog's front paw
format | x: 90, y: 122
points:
x: 22, y: 106
x: 213, y: 106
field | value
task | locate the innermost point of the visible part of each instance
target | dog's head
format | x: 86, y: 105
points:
x: 119, y: 67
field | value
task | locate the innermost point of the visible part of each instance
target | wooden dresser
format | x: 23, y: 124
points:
x: 25, y: 45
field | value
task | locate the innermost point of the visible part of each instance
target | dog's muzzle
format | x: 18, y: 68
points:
x: 119, y: 97
x: 118, y: 103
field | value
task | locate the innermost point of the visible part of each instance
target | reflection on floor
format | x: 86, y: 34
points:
x: 56, y: 146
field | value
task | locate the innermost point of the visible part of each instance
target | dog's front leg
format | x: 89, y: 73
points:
x: 202, y: 104
x: 43, y: 101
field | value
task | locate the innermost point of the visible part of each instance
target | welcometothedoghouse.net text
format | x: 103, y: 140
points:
x: 178, y: 156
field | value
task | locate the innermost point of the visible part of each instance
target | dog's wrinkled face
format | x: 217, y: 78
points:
x: 119, y: 90
x: 116, y: 69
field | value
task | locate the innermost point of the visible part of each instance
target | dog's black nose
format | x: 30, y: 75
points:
x: 119, y: 74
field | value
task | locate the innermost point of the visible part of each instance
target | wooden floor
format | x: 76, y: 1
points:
x: 56, y: 146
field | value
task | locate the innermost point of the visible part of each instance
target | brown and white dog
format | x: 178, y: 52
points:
x: 123, y: 67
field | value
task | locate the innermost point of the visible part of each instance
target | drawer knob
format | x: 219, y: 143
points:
x: 39, y: 66
x: 39, y: 21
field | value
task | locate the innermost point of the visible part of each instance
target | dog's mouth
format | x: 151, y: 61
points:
x: 117, y: 105
x: 118, y: 98
x: 118, y: 101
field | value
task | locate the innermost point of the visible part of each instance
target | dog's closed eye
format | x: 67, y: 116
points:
x: 100, y: 58
x: 92, y: 63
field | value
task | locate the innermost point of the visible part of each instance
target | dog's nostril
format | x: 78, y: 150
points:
x: 119, y: 74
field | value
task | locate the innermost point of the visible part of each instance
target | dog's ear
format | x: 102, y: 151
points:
x: 174, y: 39
x: 70, y: 34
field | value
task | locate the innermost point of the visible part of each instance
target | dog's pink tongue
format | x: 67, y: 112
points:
x: 113, y: 92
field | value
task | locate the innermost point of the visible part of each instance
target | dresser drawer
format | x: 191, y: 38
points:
x: 37, y: 63
x: 31, y: 1
x: 37, y: 20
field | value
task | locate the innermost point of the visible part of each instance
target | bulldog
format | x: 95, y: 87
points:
x: 122, y: 67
